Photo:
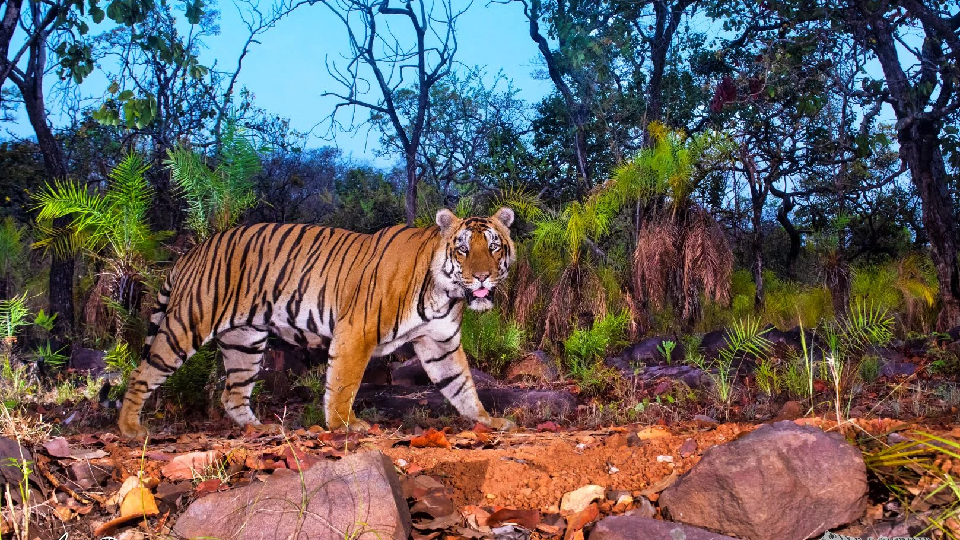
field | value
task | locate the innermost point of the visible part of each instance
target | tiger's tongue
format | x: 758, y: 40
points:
x: 481, y: 292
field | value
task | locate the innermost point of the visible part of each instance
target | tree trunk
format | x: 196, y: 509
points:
x: 783, y: 217
x: 411, y: 203
x: 55, y: 164
x: 920, y: 148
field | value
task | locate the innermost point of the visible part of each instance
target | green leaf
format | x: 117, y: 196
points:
x: 194, y: 11
x: 113, y: 88
x: 125, y: 95
x: 97, y: 14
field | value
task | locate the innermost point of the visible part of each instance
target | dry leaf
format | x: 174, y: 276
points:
x: 430, y: 438
x: 139, y: 502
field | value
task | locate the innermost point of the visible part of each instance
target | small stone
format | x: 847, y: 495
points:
x: 633, y: 440
x: 578, y: 500
x: 703, y: 420
x: 688, y: 447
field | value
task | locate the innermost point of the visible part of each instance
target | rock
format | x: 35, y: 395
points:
x: 713, y: 342
x: 534, y: 367
x: 580, y: 499
x: 277, y: 384
x: 895, y: 369
x: 12, y: 455
x: 791, y: 410
x: 703, y: 420
x: 650, y: 351
x: 357, y: 497
x: 170, y: 492
x: 644, y: 508
x: 189, y: 466
x: 689, y: 375
x: 377, y: 372
x: 87, y: 475
x: 88, y: 361
x: 635, y: 527
x: 954, y: 333
x: 411, y: 373
x: 688, y: 447
x: 782, y: 481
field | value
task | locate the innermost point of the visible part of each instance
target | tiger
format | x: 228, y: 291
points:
x: 364, y: 294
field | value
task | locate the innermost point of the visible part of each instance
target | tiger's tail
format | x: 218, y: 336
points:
x: 159, y: 314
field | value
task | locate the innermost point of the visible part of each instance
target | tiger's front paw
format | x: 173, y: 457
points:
x: 133, y: 430
x: 355, y: 424
x: 501, y: 424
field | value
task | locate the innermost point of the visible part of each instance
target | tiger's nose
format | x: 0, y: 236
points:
x: 480, y: 276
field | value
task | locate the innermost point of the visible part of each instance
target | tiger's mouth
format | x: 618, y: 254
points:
x: 480, y: 299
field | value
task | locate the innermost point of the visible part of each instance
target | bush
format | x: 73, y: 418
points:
x: 585, y: 351
x: 490, y: 339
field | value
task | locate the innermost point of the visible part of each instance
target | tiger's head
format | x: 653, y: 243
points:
x: 477, y: 252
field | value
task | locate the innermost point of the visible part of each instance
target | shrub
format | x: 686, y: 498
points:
x: 586, y: 348
x: 490, y: 339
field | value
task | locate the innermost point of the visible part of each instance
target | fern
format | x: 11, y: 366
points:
x: 216, y: 198
x: 13, y: 315
x: 116, y: 220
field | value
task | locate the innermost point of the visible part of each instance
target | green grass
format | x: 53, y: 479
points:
x: 491, y: 339
x: 585, y: 350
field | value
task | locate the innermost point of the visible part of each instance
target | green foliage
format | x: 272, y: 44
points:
x: 671, y: 168
x: 744, y: 338
x: 585, y: 350
x: 121, y: 360
x: 768, y: 379
x: 870, y: 368
x: 366, y: 202
x: 45, y: 321
x: 907, y: 286
x: 785, y: 301
x: 13, y: 315
x: 217, y: 198
x: 491, y: 339
x: 187, y: 385
x: 797, y: 377
x: 666, y: 349
x: 115, y: 221
x: 11, y: 246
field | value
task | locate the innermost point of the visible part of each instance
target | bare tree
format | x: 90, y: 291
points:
x: 377, y: 52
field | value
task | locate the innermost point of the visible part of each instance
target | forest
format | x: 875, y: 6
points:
x: 727, y: 213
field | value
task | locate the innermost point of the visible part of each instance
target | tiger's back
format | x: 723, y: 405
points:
x: 366, y: 293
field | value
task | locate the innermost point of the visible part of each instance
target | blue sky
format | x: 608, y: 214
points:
x: 286, y: 72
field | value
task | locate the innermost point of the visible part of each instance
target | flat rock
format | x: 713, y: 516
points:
x: 357, y: 497
x: 637, y: 527
x: 780, y: 482
x: 894, y: 369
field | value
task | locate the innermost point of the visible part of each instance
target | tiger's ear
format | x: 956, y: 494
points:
x: 504, y: 215
x: 446, y: 219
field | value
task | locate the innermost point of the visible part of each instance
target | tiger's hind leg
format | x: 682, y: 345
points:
x: 168, y: 351
x: 242, y: 350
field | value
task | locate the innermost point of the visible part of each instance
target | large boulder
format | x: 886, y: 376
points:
x: 357, y: 497
x: 631, y: 527
x: 782, y: 481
